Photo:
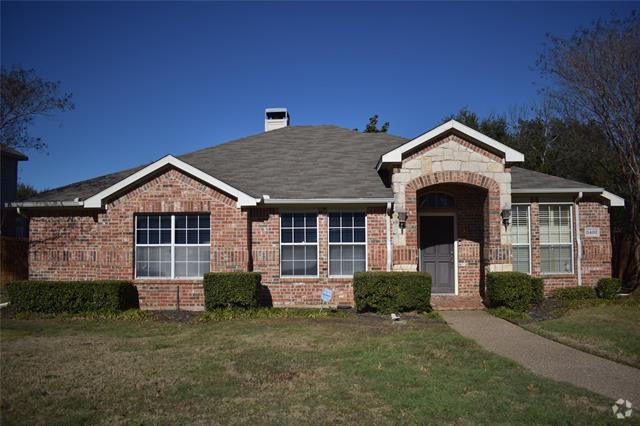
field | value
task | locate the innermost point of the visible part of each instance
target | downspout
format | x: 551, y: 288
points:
x: 389, y: 251
x: 578, y: 239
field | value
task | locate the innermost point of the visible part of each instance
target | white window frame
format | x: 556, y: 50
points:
x: 172, y: 245
x: 293, y: 244
x: 528, y: 206
x: 570, y: 205
x: 329, y: 243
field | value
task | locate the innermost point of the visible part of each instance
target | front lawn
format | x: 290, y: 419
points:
x: 362, y: 370
x: 609, y: 329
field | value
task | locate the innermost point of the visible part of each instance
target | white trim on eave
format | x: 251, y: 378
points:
x: 395, y: 155
x: 615, y: 200
x: 96, y: 200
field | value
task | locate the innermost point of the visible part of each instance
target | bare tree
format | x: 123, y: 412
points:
x: 25, y: 96
x: 596, y: 78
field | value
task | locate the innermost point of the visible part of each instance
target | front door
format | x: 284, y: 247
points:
x: 436, y: 252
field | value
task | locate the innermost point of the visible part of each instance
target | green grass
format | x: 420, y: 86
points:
x: 509, y: 314
x: 604, y: 328
x: 363, y: 370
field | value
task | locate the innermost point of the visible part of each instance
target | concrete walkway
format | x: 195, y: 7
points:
x: 546, y: 357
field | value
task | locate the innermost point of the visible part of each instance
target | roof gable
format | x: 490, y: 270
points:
x: 396, y: 155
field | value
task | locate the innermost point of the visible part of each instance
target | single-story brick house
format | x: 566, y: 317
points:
x: 306, y: 206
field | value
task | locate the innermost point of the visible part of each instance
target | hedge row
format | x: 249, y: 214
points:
x: 72, y: 296
x: 231, y: 290
x: 388, y: 292
x: 513, y: 290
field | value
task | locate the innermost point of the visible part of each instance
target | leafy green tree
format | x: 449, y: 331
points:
x: 24, y: 191
x: 372, y: 126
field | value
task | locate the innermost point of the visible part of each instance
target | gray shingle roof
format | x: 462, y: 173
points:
x: 298, y: 162
x: 524, y: 179
x: 293, y: 162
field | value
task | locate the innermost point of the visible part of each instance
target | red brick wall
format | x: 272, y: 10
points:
x: 306, y: 291
x: 596, y: 259
x: 83, y: 246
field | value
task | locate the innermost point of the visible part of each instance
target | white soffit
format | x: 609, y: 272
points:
x: 96, y: 200
x: 395, y: 156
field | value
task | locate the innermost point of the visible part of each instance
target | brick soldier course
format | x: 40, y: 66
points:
x: 246, y: 185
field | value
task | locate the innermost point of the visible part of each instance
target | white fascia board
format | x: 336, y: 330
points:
x: 244, y: 199
x: 324, y: 201
x: 615, y: 200
x: 557, y: 191
x: 395, y: 156
x: 25, y: 204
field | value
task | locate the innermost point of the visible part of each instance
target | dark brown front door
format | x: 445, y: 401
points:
x: 436, y: 252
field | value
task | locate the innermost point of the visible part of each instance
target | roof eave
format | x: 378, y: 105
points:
x: 326, y: 201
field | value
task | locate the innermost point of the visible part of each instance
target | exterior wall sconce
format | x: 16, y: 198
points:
x: 505, y: 214
x: 402, y: 219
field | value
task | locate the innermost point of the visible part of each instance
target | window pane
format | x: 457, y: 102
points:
x: 359, y: 252
x: 181, y: 221
x: 335, y: 253
x: 154, y: 254
x: 334, y: 235
x: 347, y: 235
x: 192, y: 254
x: 205, y: 237
x: 521, y: 259
x: 311, y: 219
x: 311, y: 235
x: 358, y: 219
x: 180, y: 269
x: 204, y: 268
x: 298, y: 235
x: 165, y: 236
x: 347, y: 252
x: 154, y: 222
x: 192, y: 236
x: 192, y: 269
x: 287, y: 253
x: 192, y: 221
x: 141, y: 222
x: 142, y: 254
x: 142, y: 269
x: 334, y: 220
x: 347, y: 220
x: 298, y: 253
x: 312, y: 253
x: 141, y: 237
x: 298, y: 267
x: 165, y: 222
x: 312, y: 267
x: 165, y: 269
x: 181, y: 237
x: 286, y: 220
x: 203, y: 254
x: 347, y: 268
x: 358, y: 235
x: 556, y: 259
x: 287, y: 268
x: 298, y: 220
x: 165, y: 254
x: 154, y: 236
x: 286, y: 236
x: 203, y: 221
x: 154, y: 269
x: 181, y: 253
x: 334, y: 267
x: 359, y: 266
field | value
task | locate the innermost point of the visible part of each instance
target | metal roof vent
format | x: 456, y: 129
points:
x: 275, y: 118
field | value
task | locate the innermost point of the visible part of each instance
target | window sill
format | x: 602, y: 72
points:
x: 151, y: 280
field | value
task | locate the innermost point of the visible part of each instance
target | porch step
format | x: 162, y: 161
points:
x: 456, y: 303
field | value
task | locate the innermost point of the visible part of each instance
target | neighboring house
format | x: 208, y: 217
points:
x: 306, y: 206
x: 11, y: 225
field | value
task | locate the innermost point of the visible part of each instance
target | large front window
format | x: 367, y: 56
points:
x: 520, y: 238
x: 347, y: 243
x: 298, y: 244
x: 556, y: 239
x: 172, y: 246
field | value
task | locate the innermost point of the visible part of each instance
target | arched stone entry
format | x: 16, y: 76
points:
x: 477, y: 225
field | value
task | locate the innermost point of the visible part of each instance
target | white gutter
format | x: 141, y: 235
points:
x: 578, y: 239
x: 389, y: 250
x: 557, y: 190
x: 45, y: 204
x: 307, y: 201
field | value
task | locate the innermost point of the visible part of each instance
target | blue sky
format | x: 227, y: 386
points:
x: 150, y: 79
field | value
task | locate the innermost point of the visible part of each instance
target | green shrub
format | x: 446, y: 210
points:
x: 537, y: 290
x: 608, y: 288
x: 388, y: 292
x: 231, y: 290
x: 72, y: 296
x: 509, y: 289
x: 568, y: 294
